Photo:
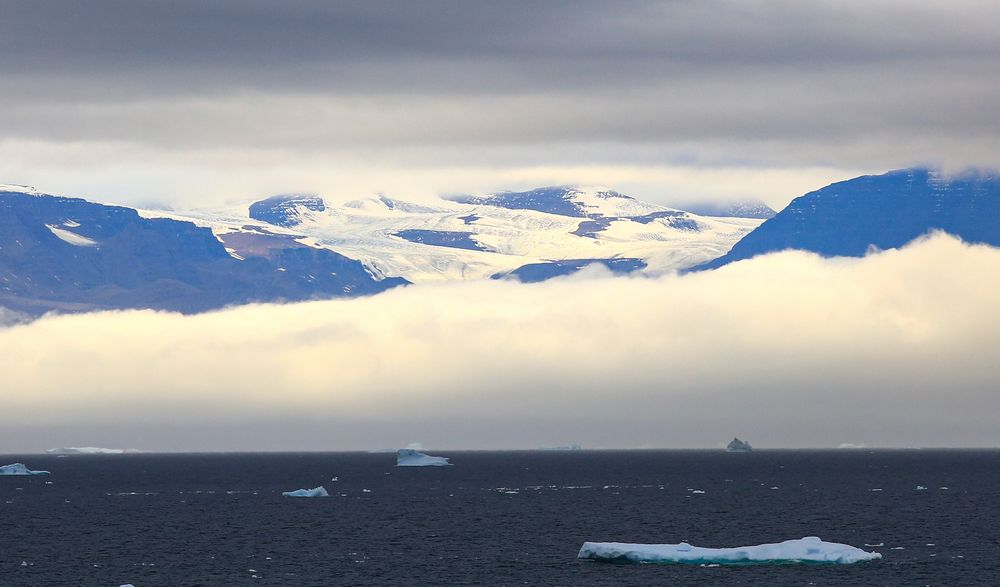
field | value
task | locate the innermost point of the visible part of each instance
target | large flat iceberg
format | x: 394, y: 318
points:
x: 19, y: 469
x: 314, y: 492
x: 805, y: 550
x: 407, y: 457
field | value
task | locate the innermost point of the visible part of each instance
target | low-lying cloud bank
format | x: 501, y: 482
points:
x: 897, y: 349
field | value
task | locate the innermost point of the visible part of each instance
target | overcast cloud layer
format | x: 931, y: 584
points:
x: 788, y: 350
x: 190, y: 103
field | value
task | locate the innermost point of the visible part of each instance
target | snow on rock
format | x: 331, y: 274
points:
x: 19, y: 189
x: 407, y: 457
x: 315, y: 492
x: 19, y: 469
x: 805, y: 550
x: 71, y: 237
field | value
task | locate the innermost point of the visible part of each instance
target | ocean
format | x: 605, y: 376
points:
x: 494, y: 518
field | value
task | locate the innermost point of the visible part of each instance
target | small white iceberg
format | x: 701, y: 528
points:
x: 19, y: 469
x: 805, y: 550
x: 407, y: 457
x: 315, y: 492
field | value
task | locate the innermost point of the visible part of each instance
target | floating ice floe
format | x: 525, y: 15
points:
x: 805, y: 550
x: 315, y: 492
x: 407, y: 457
x: 19, y: 469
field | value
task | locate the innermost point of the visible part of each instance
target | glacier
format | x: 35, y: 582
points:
x: 804, y: 550
x: 19, y: 469
x: 407, y: 457
x: 314, y: 492
x: 469, y: 238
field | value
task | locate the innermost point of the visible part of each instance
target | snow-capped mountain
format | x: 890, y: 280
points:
x: 68, y: 254
x: 573, y: 201
x: 286, y: 209
x: 883, y: 211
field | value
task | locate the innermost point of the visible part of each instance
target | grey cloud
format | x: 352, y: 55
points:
x: 581, y: 43
x: 471, y: 85
x: 897, y: 349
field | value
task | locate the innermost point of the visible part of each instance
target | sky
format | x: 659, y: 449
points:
x: 898, y: 349
x: 189, y: 104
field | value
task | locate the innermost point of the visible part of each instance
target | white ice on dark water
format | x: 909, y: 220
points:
x: 805, y: 550
x: 407, y: 457
x: 314, y: 492
x: 19, y: 469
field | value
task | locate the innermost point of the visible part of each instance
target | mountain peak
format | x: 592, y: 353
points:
x: 286, y: 209
x: 578, y: 201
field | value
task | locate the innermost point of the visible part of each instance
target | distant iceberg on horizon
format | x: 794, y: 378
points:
x: 804, y: 550
x: 314, y: 492
x: 20, y: 469
x: 563, y: 447
x: 408, y: 457
x: 738, y: 445
x: 88, y: 450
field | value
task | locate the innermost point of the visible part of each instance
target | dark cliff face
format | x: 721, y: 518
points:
x: 883, y: 211
x: 67, y: 254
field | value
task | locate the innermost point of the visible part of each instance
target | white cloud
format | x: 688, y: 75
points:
x: 898, y: 348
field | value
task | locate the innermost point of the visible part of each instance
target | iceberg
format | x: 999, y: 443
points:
x: 563, y: 447
x: 738, y: 445
x: 314, y: 492
x: 85, y: 450
x: 19, y: 469
x: 805, y: 550
x: 407, y: 457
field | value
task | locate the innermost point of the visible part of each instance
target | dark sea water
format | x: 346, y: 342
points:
x: 495, y: 518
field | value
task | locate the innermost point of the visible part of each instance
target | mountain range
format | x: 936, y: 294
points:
x: 67, y: 254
